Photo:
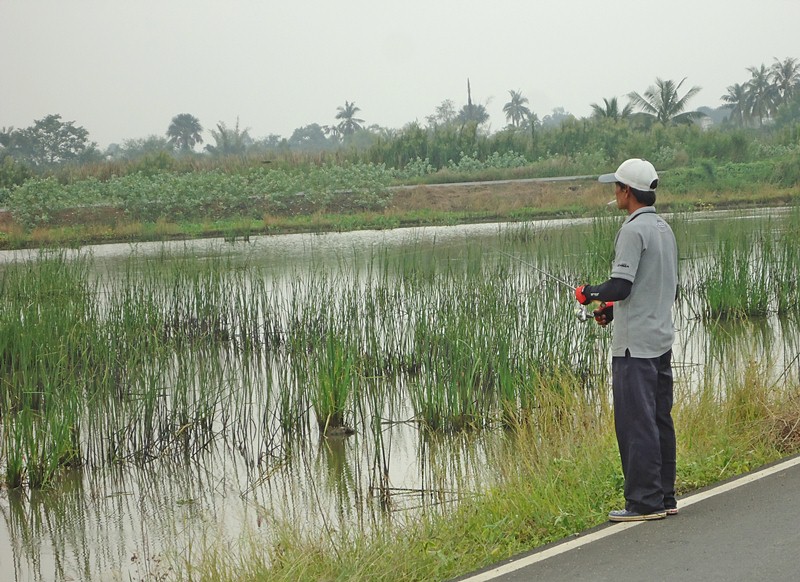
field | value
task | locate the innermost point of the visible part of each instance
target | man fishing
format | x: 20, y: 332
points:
x: 638, y: 297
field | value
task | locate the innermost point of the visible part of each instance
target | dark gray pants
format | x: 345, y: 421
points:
x: 645, y: 434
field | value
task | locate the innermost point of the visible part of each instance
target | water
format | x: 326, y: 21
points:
x: 127, y: 521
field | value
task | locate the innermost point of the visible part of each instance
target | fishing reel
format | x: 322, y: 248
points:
x: 582, y: 313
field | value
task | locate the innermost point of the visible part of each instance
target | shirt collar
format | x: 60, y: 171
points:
x: 643, y: 210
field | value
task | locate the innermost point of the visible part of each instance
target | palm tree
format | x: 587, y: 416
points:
x: 230, y: 142
x: 349, y: 123
x: 736, y: 100
x: 762, y: 95
x: 471, y: 112
x: 5, y: 135
x: 184, y: 132
x: 661, y: 102
x: 515, y: 110
x: 786, y: 78
x: 331, y: 131
x: 611, y: 110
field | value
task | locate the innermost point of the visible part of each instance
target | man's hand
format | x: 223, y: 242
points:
x: 580, y: 295
x: 604, y: 314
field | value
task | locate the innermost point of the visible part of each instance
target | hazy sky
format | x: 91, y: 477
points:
x: 124, y: 68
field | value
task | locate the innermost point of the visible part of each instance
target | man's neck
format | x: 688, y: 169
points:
x: 634, y: 206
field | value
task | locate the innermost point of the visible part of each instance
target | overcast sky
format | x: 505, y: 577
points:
x: 123, y: 69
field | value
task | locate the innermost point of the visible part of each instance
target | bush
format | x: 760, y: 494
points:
x: 13, y: 173
x: 787, y: 171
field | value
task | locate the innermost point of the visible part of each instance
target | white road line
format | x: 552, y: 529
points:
x: 609, y: 531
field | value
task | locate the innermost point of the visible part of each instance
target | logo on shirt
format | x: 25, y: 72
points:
x: 661, y: 225
x: 623, y: 265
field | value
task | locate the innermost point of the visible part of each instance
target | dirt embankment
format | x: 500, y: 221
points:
x: 501, y: 197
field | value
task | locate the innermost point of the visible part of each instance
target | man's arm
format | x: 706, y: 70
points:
x: 615, y: 289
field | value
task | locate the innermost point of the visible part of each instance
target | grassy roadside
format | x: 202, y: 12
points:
x: 422, y: 205
x: 564, y: 482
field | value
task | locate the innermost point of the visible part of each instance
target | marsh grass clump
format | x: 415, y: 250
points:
x: 49, y: 357
x: 748, y: 270
x: 334, y: 376
x: 785, y: 266
x: 735, y: 278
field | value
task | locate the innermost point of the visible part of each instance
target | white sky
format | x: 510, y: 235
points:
x: 123, y: 69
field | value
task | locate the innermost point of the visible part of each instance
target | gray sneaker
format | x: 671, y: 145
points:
x: 625, y: 515
x: 672, y: 511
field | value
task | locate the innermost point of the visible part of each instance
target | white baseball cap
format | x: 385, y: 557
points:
x: 636, y: 173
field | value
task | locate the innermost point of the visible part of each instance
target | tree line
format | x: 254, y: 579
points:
x: 768, y: 101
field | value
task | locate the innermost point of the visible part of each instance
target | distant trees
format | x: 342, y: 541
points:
x: 661, y: 102
x: 445, y: 113
x: 229, y: 141
x: 349, y: 123
x: 472, y: 112
x: 786, y: 78
x: 48, y: 142
x: 184, y: 132
x: 769, y: 98
x: 610, y: 110
x: 309, y: 137
x: 762, y: 96
x: 736, y: 100
x: 516, y: 110
x: 558, y: 116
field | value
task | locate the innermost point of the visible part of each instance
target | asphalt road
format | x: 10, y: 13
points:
x: 745, y: 529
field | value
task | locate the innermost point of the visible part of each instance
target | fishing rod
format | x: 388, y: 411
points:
x: 580, y: 312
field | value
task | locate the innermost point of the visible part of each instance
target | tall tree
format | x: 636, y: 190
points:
x: 762, y: 95
x: 516, y: 111
x: 5, y: 136
x: 184, y: 132
x: 610, y: 110
x: 229, y: 142
x: 736, y: 100
x: 50, y: 141
x: 471, y: 112
x: 558, y: 116
x: 349, y: 123
x: 785, y: 76
x: 445, y: 113
x: 662, y: 102
x: 309, y: 138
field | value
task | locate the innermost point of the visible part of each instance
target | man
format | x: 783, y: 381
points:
x: 638, y: 298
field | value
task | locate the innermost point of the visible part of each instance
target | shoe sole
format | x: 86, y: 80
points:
x: 645, y: 517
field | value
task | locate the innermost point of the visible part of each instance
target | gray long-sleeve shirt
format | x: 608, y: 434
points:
x: 646, y: 254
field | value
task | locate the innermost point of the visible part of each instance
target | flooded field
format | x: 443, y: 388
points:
x: 159, y: 400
